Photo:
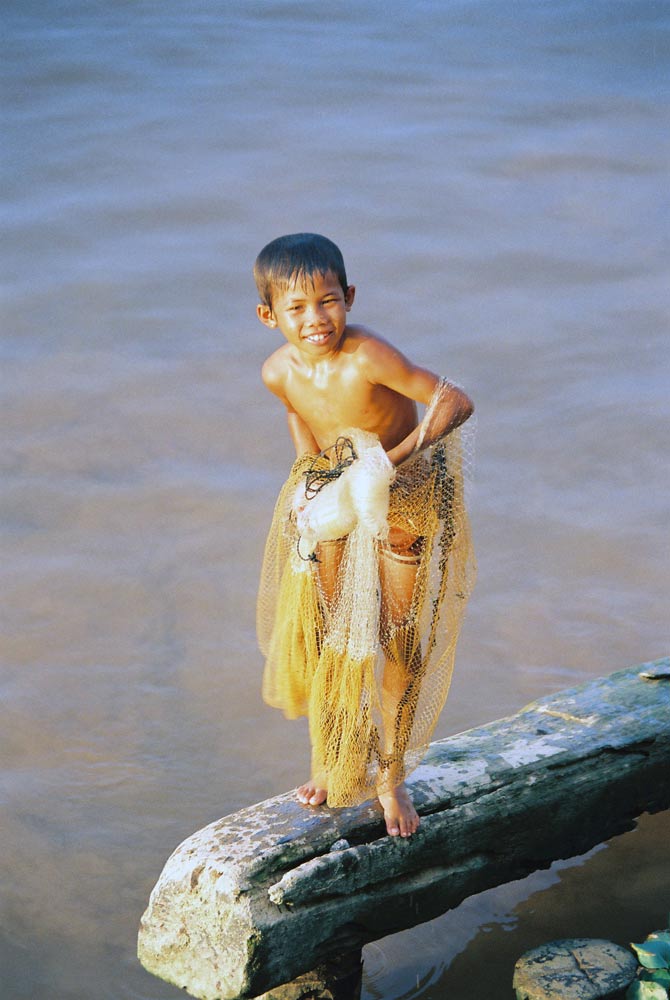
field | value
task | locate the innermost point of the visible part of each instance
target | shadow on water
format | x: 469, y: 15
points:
x: 619, y: 891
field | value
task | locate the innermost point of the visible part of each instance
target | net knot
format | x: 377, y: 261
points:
x: 341, y: 455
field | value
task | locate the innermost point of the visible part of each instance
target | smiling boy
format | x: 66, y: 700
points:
x: 372, y: 702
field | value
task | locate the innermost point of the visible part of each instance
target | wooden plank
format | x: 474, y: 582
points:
x: 257, y: 898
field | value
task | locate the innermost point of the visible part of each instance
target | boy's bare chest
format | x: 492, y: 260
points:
x: 332, y: 401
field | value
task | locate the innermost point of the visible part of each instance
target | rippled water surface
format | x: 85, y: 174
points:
x: 496, y: 175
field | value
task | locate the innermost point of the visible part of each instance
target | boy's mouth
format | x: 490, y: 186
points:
x: 318, y: 338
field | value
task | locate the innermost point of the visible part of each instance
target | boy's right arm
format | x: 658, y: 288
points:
x: 301, y: 435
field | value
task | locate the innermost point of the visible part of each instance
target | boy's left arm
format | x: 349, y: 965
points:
x: 451, y: 408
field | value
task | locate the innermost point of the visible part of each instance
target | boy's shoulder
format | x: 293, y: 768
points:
x: 366, y: 350
x: 367, y: 343
x: 273, y: 370
x: 372, y: 352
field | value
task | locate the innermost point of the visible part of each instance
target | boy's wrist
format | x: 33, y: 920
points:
x: 401, y: 452
x: 398, y: 455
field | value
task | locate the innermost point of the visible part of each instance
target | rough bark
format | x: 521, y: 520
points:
x: 260, y: 897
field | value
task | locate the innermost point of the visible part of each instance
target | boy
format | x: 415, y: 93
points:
x: 368, y: 564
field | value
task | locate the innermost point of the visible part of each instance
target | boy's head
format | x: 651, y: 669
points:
x: 296, y: 258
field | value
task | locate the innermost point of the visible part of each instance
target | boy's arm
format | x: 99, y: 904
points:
x: 387, y: 366
x: 301, y: 435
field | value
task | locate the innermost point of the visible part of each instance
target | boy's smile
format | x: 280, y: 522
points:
x: 312, y: 314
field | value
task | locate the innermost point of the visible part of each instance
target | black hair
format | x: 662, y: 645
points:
x: 294, y: 257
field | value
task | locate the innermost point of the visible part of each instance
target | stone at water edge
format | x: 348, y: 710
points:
x: 574, y: 969
x: 339, y: 979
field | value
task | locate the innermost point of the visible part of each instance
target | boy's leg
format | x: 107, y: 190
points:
x: 329, y: 554
x: 402, y: 674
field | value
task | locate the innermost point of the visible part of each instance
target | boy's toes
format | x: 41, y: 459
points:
x: 402, y: 819
x: 392, y: 827
x: 410, y: 826
x: 310, y: 795
x: 407, y: 827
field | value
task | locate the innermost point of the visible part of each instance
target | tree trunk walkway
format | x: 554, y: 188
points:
x: 259, y: 897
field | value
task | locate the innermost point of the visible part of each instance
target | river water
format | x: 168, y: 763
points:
x: 496, y: 175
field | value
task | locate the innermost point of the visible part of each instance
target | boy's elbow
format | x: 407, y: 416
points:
x: 466, y: 407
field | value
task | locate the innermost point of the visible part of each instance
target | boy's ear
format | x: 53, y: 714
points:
x: 266, y: 316
x: 349, y: 297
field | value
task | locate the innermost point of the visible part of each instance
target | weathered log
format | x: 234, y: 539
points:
x: 262, y: 896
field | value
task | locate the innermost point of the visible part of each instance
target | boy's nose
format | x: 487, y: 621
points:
x: 314, y: 314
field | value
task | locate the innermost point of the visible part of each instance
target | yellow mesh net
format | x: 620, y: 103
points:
x: 365, y: 579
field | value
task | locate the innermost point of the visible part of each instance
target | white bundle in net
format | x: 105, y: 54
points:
x: 358, y: 496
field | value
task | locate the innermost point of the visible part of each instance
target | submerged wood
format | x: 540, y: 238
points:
x: 259, y: 897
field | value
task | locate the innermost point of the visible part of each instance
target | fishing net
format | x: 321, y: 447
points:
x: 366, y: 575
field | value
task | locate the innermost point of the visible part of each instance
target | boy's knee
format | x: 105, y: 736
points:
x: 405, y: 547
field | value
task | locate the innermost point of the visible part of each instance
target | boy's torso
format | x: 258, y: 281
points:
x: 337, y: 393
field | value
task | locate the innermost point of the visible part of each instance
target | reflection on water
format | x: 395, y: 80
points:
x: 471, y: 951
x: 494, y: 174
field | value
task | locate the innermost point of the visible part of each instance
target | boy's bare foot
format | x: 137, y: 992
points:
x: 402, y: 819
x: 311, y: 794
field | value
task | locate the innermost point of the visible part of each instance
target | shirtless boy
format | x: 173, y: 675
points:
x: 332, y: 376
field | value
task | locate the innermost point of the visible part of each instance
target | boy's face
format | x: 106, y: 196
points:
x: 312, y: 316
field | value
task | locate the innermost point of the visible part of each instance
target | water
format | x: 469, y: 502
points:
x: 496, y: 175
